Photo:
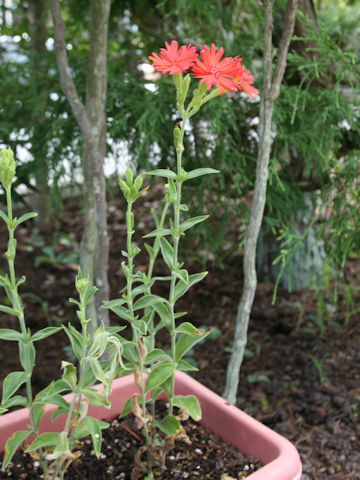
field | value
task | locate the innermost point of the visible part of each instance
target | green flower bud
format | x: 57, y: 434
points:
x: 138, y: 183
x: 129, y: 175
x: 81, y: 283
x: 7, y: 167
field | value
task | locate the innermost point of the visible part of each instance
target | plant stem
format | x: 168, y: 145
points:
x: 17, y: 304
x: 176, y: 236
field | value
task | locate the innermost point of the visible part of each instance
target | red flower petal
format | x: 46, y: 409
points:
x: 173, y: 59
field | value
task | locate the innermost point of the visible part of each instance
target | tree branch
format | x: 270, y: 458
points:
x: 67, y: 82
x: 270, y: 93
x: 289, y: 23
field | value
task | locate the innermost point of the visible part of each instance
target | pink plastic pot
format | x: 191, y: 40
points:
x: 280, y: 458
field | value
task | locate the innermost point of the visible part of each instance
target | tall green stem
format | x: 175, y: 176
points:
x: 176, y: 236
x: 17, y: 304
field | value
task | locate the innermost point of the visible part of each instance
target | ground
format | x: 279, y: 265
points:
x: 301, y: 372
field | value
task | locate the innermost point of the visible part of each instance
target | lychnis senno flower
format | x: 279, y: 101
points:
x: 227, y: 74
x: 173, y: 59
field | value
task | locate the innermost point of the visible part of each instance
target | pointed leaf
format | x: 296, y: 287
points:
x: 12, y: 383
x: 4, y: 216
x: 167, y: 252
x: 25, y: 217
x: 12, y: 444
x: 181, y: 288
x: 147, y: 301
x: 169, y: 425
x: 161, y: 172
x: 156, y: 355
x: 198, y: 172
x: 186, y: 341
x: 187, y: 327
x: 9, y: 334
x: 159, y: 374
x: 46, y: 439
x: 189, y: 403
x: 186, y: 366
x: 95, y: 426
x: 190, y: 222
x: 122, y: 313
x: 163, y: 311
x: 9, y: 310
x: 95, y: 397
x: 44, y: 333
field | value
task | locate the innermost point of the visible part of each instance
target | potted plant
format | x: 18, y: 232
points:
x: 154, y: 373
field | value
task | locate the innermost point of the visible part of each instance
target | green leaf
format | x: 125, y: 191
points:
x: 9, y: 310
x: 12, y: 444
x: 95, y: 426
x: 182, y: 275
x: 76, y: 339
x: 161, y: 172
x: 118, y: 302
x: 156, y: 355
x: 181, y: 288
x: 25, y: 217
x: 141, y: 326
x: 147, y: 301
x: 27, y: 355
x: 95, y: 397
x: 122, y: 313
x: 159, y: 232
x: 13, y: 402
x: 189, y: 403
x: 44, y: 333
x: 70, y: 374
x: 163, y: 311
x: 4, y: 217
x: 190, y: 222
x: 38, y: 412
x: 46, y: 439
x: 52, y: 389
x: 159, y: 374
x: 62, y: 447
x: 167, y: 252
x: 186, y: 341
x: 198, y: 172
x: 12, y: 383
x: 186, y: 366
x: 169, y: 425
x: 114, y: 329
x: 187, y: 327
x: 9, y: 334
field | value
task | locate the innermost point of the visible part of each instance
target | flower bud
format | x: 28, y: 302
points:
x: 7, y: 167
x: 129, y: 175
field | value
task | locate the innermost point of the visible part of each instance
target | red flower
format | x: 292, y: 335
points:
x: 173, y: 60
x: 227, y: 74
x: 244, y: 80
x: 215, y: 72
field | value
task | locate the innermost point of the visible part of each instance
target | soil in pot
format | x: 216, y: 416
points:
x: 207, y: 457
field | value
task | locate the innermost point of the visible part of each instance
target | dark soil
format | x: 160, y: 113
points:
x: 301, y: 375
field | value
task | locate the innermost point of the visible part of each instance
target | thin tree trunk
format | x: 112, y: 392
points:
x: 38, y: 10
x: 269, y: 95
x: 92, y: 123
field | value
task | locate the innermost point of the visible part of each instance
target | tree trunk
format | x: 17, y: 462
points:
x: 39, y: 34
x: 269, y: 95
x: 92, y: 123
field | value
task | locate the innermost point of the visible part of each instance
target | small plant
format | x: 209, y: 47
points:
x: 55, y: 450
x: 319, y: 365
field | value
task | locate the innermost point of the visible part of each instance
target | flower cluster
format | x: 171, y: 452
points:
x: 226, y: 75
